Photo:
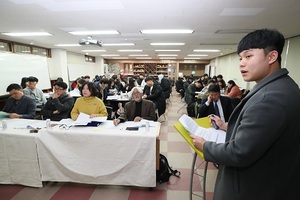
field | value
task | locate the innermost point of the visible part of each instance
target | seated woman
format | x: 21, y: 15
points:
x: 233, y: 91
x: 89, y: 103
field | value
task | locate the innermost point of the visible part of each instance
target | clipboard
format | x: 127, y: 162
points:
x: 204, y: 122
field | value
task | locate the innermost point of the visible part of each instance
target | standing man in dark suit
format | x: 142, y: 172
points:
x: 154, y: 93
x: 216, y: 104
x: 137, y: 109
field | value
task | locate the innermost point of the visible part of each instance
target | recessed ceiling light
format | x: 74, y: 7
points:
x: 67, y: 45
x: 28, y: 34
x: 143, y: 58
x: 123, y: 58
x: 167, y: 31
x: 168, y: 58
x: 130, y: 50
x: 192, y: 58
x: 99, y: 50
x: 197, y: 55
x: 167, y: 55
x: 136, y: 55
x: 118, y: 44
x: 166, y: 44
x: 206, y: 50
x: 109, y: 32
x: 160, y: 50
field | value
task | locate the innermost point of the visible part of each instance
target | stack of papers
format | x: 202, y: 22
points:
x: 209, y: 134
x: 83, y: 119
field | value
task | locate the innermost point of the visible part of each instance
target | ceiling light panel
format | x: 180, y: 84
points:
x: 28, y: 34
x: 170, y: 50
x: 138, y: 55
x: 206, y: 50
x: 109, y: 32
x: 197, y: 55
x: 118, y: 44
x: 166, y: 44
x: 130, y: 50
x: 167, y: 55
x: 98, y: 50
x: 67, y: 45
x: 167, y: 31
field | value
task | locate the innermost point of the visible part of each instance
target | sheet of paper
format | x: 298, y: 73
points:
x: 209, y: 134
x: 84, y: 119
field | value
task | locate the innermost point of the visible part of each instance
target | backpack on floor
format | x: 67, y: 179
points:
x: 165, y: 171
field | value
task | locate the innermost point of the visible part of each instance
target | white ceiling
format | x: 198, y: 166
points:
x: 205, y: 17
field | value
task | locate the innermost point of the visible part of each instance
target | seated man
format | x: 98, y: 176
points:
x: 154, y: 93
x: 18, y: 105
x: 35, y: 93
x: 59, y: 105
x: 216, y: 104
x: 137, y: 109
x: 190, y: 93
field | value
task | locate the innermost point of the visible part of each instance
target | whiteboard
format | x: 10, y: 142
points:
x: 15, y: 66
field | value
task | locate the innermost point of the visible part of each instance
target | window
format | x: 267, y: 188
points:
x: 4, y: 46
x: 90, y: 59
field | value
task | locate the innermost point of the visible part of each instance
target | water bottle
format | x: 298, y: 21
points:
x: 147, y: 126
x: 4, y: 124
x: 48, y: 124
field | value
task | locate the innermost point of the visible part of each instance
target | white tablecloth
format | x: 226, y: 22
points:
x: 18, y: 156
x: 99, y: 155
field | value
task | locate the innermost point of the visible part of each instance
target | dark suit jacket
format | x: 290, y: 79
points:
x: 63, y: 104
x: 26, y: 107
x: 156, y: 96
x: 227, y: 107
x: 147, y: 112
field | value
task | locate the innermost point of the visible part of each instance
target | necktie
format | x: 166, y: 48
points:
x: 216, y: 109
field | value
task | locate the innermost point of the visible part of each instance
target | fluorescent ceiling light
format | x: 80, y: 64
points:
x: 197, y: 55
x: 143, y: 58
x: 168, y: 58
x: 28, y: 34
x: 130, y: 50
x: 110, y: 55
x: 67, y: 45
x: 109, y: 32
x: 159, y: 50
x: 99, y: 50
x: 136, y: 55
x: 167, y: 31
x: 167, y: 55
x: 192, y: 58
x: 118, y: 44
x: 165, y: 44
x: 206, y: 50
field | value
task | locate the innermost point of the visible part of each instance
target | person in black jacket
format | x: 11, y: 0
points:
x: 59, y: 105
x: 154, y: 93
x: 223, y: 103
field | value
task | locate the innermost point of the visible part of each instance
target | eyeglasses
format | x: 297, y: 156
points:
x: 58, y: 89
x: 65, y: 126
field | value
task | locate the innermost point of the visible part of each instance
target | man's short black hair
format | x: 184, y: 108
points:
x: 149, y: 78
x: 214, y: 88
x: 220, y: 76
x: 13, y: 86
x: 266, y: 39
x: 32, y: 79
x: 61, y: 84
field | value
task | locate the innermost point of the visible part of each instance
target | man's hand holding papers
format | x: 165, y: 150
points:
x: 196, y: 131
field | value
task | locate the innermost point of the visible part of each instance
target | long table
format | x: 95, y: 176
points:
x: 95, y: 155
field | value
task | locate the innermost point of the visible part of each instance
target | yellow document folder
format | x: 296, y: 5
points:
x: 204, y: 122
